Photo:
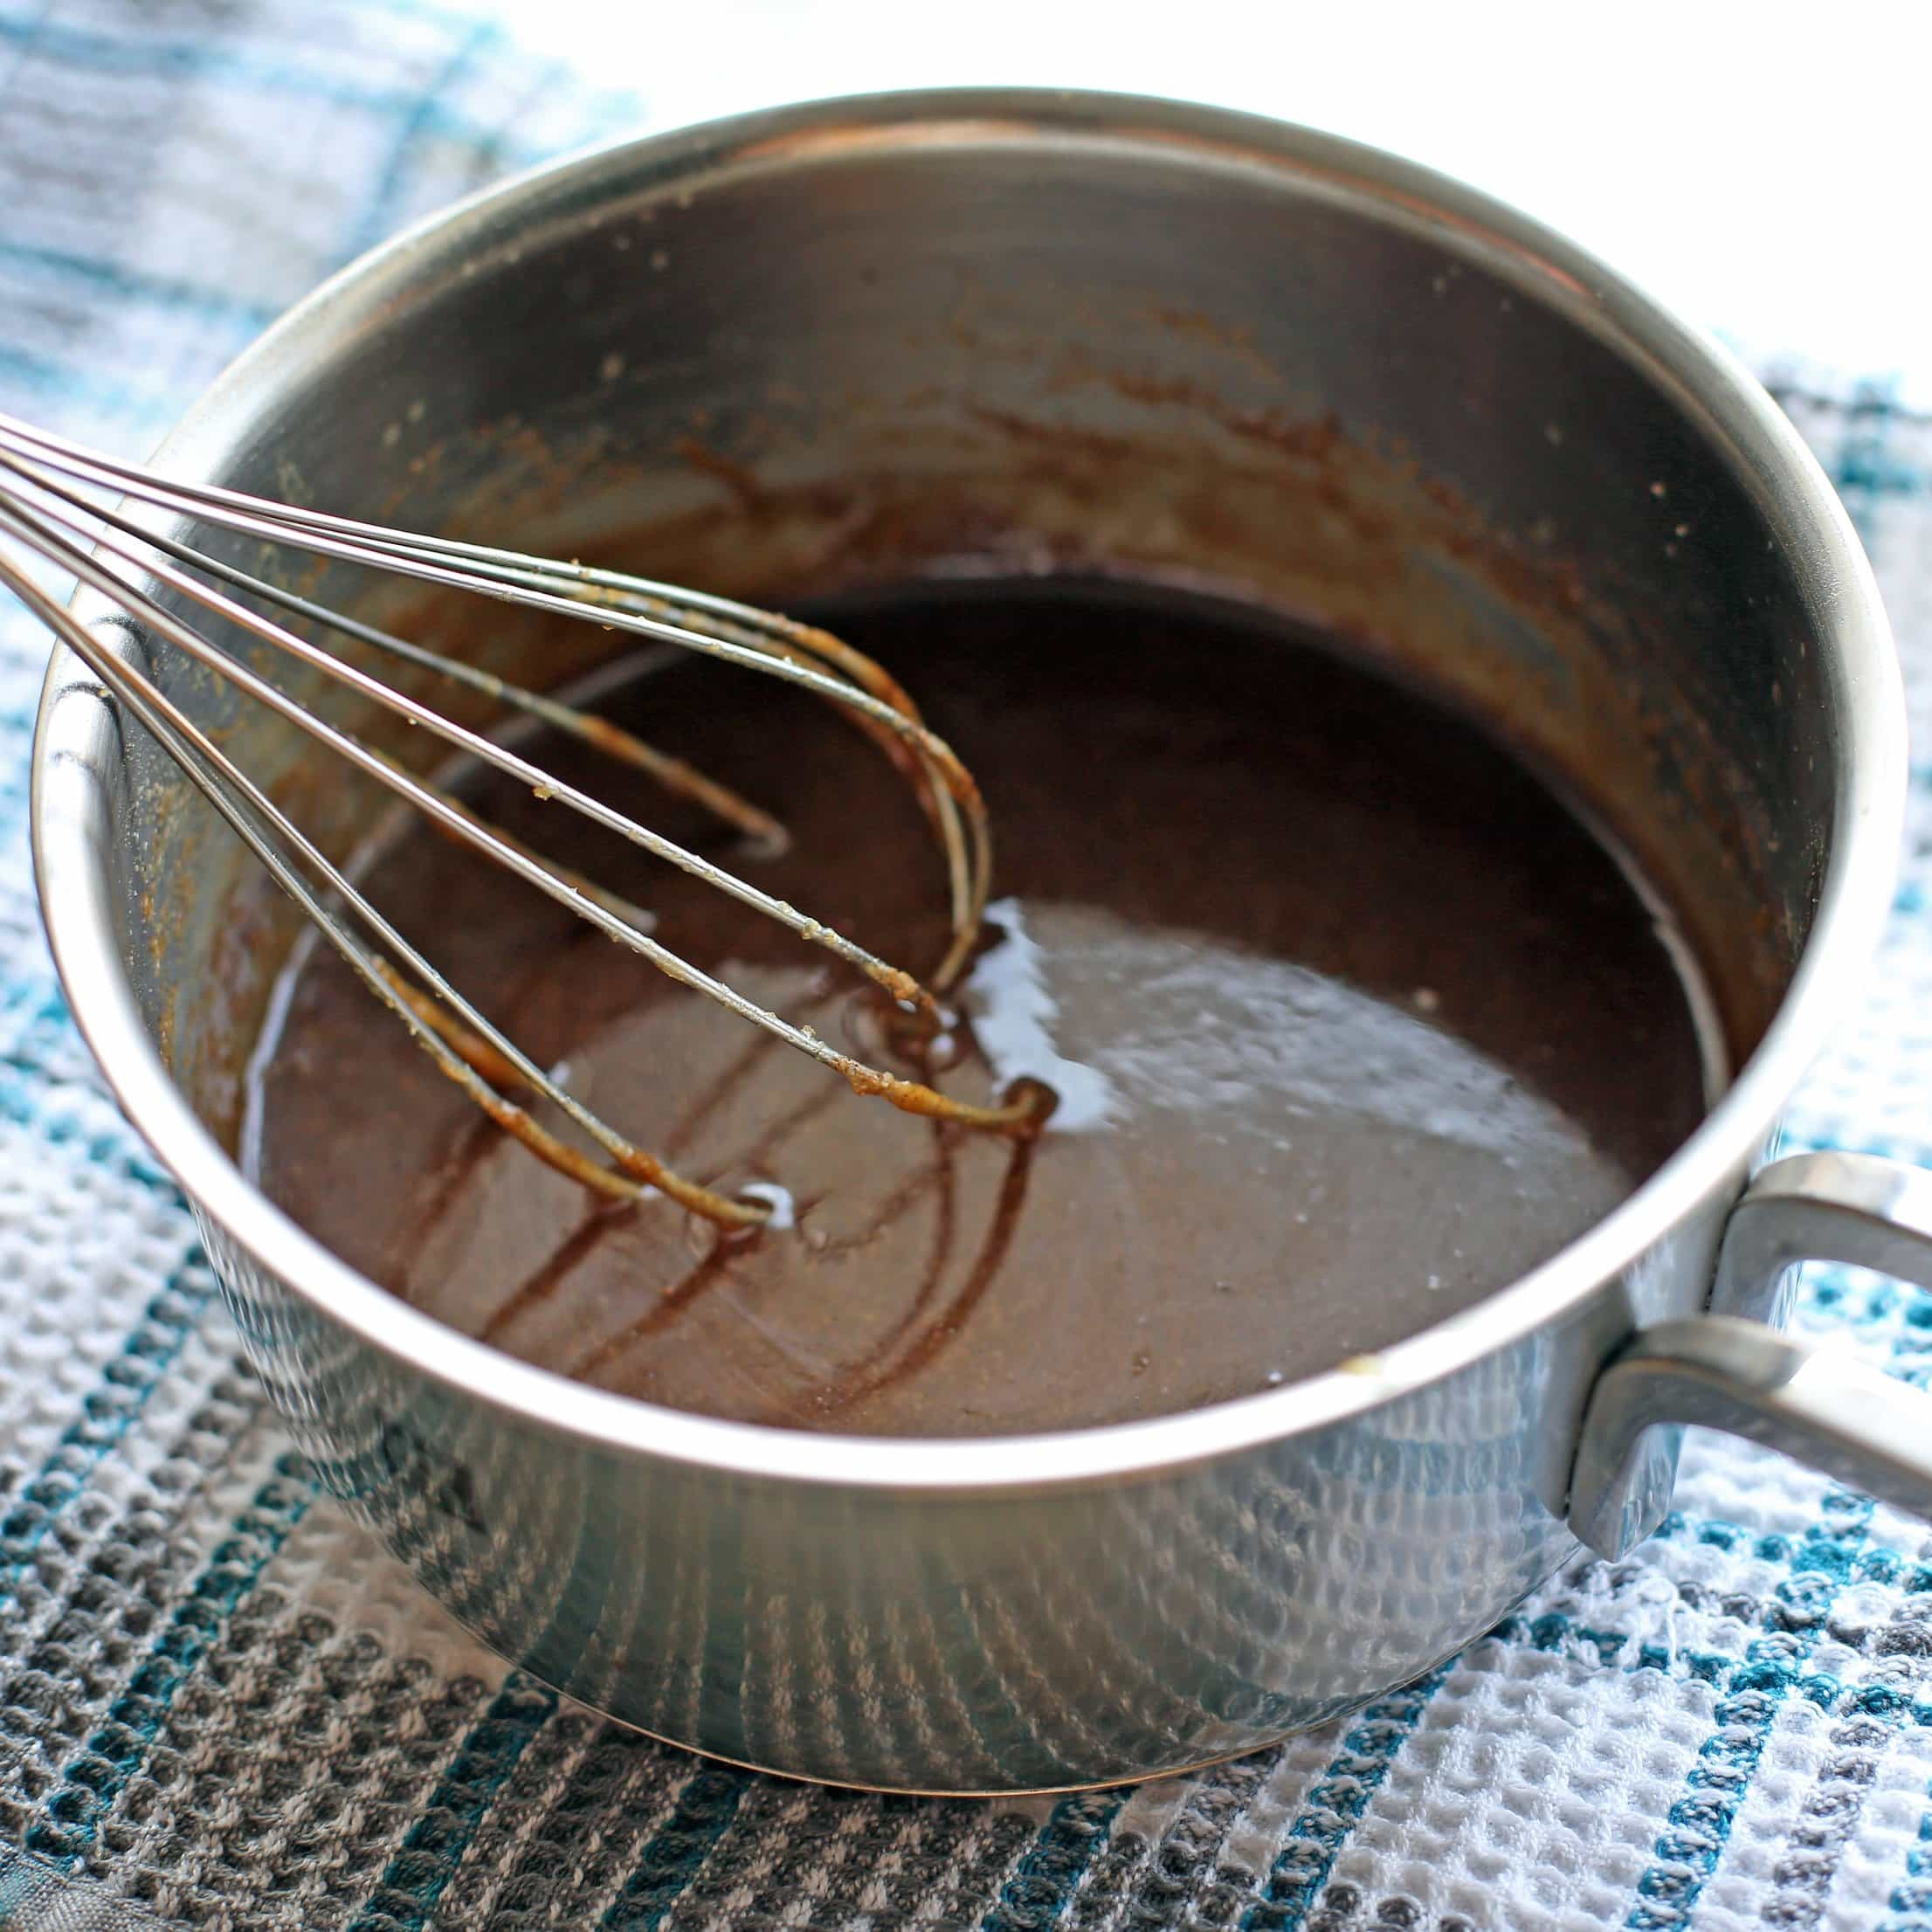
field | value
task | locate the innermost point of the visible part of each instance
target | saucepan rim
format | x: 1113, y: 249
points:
x: 1733, y: 415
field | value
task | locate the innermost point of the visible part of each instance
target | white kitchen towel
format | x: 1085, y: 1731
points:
x: 221, y: 1706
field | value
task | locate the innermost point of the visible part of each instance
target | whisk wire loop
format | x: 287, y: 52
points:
x: 45, y: 510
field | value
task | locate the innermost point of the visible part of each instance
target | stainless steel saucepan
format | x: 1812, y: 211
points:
x: 856, y: 342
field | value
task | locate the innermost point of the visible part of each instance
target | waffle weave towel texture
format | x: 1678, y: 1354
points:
x: 221, y: 1706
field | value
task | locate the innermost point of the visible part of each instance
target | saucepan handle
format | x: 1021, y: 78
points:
x: 1721, y: 1371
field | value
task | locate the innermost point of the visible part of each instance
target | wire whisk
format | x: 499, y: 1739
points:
x: 51, y: 507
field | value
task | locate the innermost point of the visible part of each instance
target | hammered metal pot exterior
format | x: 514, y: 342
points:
x: 956, y: 1642
x: 1019, y: 332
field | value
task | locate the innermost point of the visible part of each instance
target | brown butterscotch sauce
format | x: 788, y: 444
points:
x: 1370, y: 1025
